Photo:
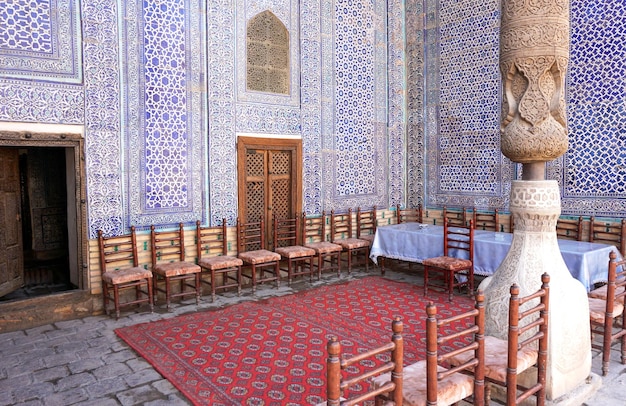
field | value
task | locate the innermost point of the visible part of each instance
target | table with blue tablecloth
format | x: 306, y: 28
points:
x: 414, y: 242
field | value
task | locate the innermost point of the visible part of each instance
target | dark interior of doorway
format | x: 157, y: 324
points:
x: 43, y: 193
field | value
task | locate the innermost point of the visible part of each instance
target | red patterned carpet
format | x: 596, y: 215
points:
x: 273, y: 352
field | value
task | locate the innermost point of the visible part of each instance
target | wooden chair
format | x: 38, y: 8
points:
x: 168, y: 264
x: 213, y: 258
x: 366, y: 224
x: 120, y: 271
x: 434, y: 381
x: 611, y: 233
x: 570, y: 229
x: 486, y: 220
x: 455, y: 217
x: 526, y: 346
x: 457, y: 272
x: 408, y: 215
x: 341, y: 234
x: 607, y: 315
x: 314, y: 236
x: 287, y: 237
x: 389, y: 389
x: 252, y: 250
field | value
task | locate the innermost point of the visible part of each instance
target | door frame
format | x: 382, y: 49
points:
x: 70, y: 138
x: 292, y: 144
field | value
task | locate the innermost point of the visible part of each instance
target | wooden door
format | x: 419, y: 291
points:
x: 11, y: 256
x: 269, y: 175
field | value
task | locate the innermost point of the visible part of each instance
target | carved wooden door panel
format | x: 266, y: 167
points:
x: 270, y: 172
x: 11, y: 256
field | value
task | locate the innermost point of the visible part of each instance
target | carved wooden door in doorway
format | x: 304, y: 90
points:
x: 269, y: 175
x: 11, y: 256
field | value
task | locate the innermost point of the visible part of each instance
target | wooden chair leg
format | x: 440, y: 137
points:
x: 277, y: 272
x: 116, y: 299
x: 198, y: 287
x: 105, y: 297
x: 253, y: 271
x: 167, y: 293
x: 150, y: 294
x: 450, y: 278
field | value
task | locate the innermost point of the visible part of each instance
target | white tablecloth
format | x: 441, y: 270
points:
x: 587, y: 262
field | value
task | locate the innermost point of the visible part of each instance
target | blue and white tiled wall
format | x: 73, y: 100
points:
x: 395, y: 101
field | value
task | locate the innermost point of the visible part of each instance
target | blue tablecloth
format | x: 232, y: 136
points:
x: 587, y: 262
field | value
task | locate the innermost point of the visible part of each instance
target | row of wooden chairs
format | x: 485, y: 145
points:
x: 300, y: 246
x: 484, y: 220
x: 447, y: 376
x: 599, y: 231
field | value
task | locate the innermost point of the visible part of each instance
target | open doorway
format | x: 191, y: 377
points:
x: 44, y: 227
x: 41, y: 197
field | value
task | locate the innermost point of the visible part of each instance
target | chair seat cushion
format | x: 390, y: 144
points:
x: 176, y: 269
x: 600, y: 293
x: 597, y: 309
x: 259, y: 256
x: 324, y: 247
x: 352, y: 243
x: 450, y: 390
x: 295, y: 251
x: 126, y: 275
x: 448, y: 263
x: 219, y: 262
x: 369, y: 238
x: 496, y: 353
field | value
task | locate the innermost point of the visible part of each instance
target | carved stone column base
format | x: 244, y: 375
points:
x: 536, y: 206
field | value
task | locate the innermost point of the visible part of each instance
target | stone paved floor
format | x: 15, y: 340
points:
x: 83, y: 362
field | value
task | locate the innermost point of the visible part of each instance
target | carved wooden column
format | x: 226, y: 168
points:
x: 534, y: 51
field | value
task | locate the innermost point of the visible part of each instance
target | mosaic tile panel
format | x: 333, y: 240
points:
x: 311, y: 105
x: 221, y: 110
x: 40, y: 40
x: 593, y: 173
x: 103, y: 144
x: 268, y: 119
x: 164, y: 111
x: 397, y: 61
x: 357, y: 153
x: 414, y: 32
x: 41, y: 102
x: 466, y: 167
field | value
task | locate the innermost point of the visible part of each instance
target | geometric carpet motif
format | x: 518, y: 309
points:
x: 273, y: 352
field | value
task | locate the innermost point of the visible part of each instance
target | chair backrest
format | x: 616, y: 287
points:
x: 469, y: 339
x: 570, y: 229
x: 365, y: 222
x: 615, y: 288
x: 528, y: 327
x: 486, y: 220
x: 117, y: 252
x: 167, y: 245
x: 286, y: 232
x: 409, y: 215
x: 391, y: 391
x: 313, y: 228
x: 212, y: 240
x: 251, y: 235
x: 455, y: 217
x: 340, y: 225
x: 458, y: 238
x: 606, y: 232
